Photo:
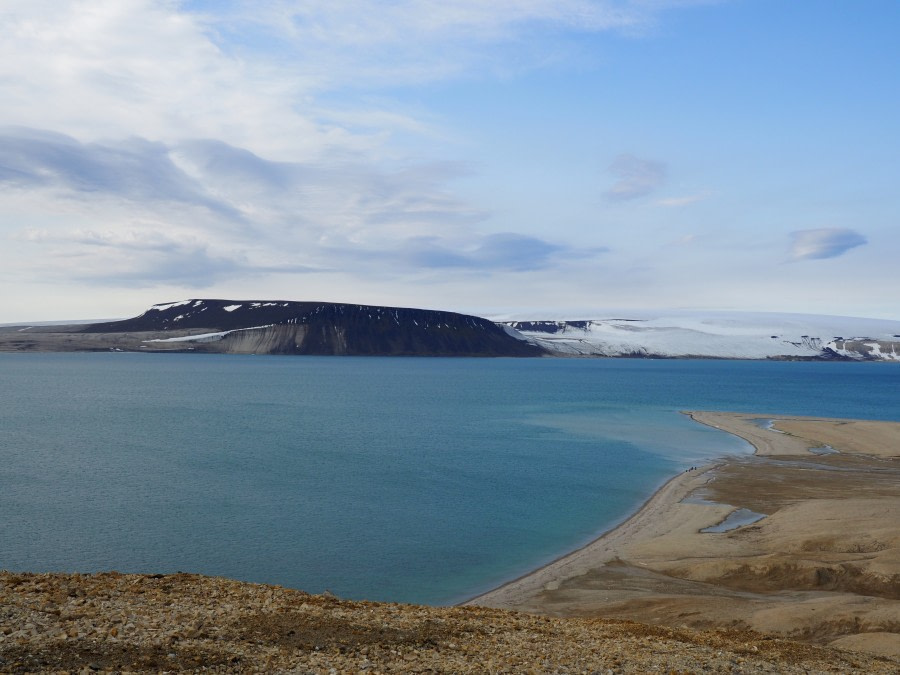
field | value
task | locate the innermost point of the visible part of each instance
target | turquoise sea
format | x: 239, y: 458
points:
x: 403, y: 479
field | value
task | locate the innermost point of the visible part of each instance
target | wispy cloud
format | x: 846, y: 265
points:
x: 823, y: 243
x: 361, y: 42
x: 134, y: 169
x: 234, y: 183
x: 200, y: 211
x: 254, y: 73
x: 226, y: 141
x: 636, y: 177
x: 685, y: 240
x: 687, y: 200
x: 502, y: 252
x: 196, y: 141
x: 140, y: 258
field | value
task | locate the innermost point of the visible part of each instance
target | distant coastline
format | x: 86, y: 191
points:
x: 288, y: 327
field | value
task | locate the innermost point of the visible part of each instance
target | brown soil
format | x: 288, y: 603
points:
x: 153, y: 623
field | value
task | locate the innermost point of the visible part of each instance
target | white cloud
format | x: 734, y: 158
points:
x: 636, y: 177
x: 204, y: 122
x: 823, y: 243
x: 413, y: 41
x: 100, y: 69
x: 687, y: 200
x: 505, y: 251
x: 200, y: 211
x: 134, y: 169
x: 190, y: 142
x: 252, y: 73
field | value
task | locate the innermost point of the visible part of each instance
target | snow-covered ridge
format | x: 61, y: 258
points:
x: 720, y: 335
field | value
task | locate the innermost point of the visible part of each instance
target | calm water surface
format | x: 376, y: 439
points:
x: 421, y: 480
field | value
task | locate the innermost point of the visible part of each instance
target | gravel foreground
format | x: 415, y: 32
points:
x: 113, y: 622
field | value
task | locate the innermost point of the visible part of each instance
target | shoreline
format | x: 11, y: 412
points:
x: 821, y: 564
x: 660, y: 498
x: 679, y: 483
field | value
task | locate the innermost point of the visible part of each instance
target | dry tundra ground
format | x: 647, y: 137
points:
x: 154, y: 623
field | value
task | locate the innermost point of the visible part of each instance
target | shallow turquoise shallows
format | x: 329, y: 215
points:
x: 420, y: 480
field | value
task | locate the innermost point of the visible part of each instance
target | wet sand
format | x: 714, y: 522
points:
x: 822, y: 566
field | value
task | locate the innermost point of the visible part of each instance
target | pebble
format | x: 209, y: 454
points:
x: 153, y: 623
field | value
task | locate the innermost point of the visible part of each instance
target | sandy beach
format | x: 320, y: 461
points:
x: 817, y: 560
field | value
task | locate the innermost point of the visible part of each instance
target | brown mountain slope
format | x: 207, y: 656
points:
x: 152, y: 623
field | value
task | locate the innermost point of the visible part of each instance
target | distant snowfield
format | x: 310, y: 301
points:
x: 717, y: 335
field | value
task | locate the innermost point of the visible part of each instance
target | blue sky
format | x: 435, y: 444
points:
x: 521, y: 157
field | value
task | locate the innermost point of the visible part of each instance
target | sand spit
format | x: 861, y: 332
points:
x: 155, y: 623
x: 822, y: 566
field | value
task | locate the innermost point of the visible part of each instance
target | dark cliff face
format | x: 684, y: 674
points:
x: 317, y: 328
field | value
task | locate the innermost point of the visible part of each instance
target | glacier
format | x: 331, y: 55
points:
x: 725, y: 335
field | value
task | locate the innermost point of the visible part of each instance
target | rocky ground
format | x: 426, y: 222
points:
x: 157, y: 623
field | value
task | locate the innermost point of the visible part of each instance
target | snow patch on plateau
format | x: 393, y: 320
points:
x: 169, y: 305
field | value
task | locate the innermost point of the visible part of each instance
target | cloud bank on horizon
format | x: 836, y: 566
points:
x: 482, y: 157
